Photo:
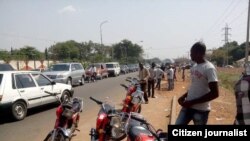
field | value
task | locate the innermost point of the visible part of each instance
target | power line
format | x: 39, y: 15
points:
x: 237, y: 4
x: 218, y: 20
x: 237, y: 17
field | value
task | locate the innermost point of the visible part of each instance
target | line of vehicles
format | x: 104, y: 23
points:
x: 22, y: 90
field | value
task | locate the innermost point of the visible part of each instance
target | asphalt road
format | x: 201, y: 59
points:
x: 41, y: 120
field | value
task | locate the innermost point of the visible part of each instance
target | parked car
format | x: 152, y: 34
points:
x: 69, y: 73
x: 6, y: 67
x: 101, y: 70
x: 124, y: 69
x: 22, y: 90
x: 113, y: 68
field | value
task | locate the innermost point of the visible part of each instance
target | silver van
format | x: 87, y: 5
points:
x: 69, y: 73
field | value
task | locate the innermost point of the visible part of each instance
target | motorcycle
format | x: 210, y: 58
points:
x: 106, y: 123
x: 138, y: 129
x: 67, y: 119
x: 134, y: 96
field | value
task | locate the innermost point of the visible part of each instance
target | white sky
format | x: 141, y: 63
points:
x: 168, y: 28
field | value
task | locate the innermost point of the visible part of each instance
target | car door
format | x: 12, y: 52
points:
x: 45, y: 84
x: 73, y: 73
x: 28, y: 89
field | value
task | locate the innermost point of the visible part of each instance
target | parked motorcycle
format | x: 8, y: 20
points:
x: 67, y: 119
x: 138, y: 129
x: 134, y: 96
x: 106, y: 123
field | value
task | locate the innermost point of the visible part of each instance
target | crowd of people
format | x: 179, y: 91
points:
x: 203, y: 88
x: 151, y: 78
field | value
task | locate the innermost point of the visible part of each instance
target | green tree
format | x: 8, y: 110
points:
x: 68, y: 50
x: 5, y: 56
x: 30, y: 53
x: 127, y: 52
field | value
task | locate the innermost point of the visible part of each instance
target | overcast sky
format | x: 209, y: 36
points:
x: 167, y: 28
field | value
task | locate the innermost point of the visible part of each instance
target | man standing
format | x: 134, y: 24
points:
x: 93, y: 72
x: 204, y: 88
x: 159, y: 73
x: 170, y: 77
x: 151, y: 81
x: 143, y: 77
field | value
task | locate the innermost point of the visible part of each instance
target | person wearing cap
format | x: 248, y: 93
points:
x: 143, y: 77
x: 151, y: 81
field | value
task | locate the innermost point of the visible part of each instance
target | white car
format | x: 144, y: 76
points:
x: 113, y: 68
x: 22, y: 90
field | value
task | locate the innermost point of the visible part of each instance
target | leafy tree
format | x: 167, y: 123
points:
x: 68, y: 50
x: 6, y: 56
x: 30, y: 53
x: 127, y: 52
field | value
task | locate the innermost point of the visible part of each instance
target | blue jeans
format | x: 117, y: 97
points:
x: 187, y: 114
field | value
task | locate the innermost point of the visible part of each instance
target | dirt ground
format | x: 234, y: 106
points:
x: 158, y: 111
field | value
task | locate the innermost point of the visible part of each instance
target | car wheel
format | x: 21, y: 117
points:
x: 69, y: 81
x: 19, y: 110
x: 82, y: 80
x: 65, y: 97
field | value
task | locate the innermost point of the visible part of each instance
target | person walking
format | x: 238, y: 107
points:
x: 203, y: 89
x: 151, y: 81
x: 143, y: 77
x: 159, y: 73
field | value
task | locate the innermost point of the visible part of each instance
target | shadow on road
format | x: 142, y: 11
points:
x: 6, y: 117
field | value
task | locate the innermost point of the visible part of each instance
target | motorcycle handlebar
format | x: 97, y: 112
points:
x: 123, y: 85
x: 54, y: 94
x: 97, y: 101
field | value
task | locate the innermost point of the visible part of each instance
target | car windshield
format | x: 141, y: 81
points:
x: 109, y: 65
x: 62, y: 67
x: 5, y: 67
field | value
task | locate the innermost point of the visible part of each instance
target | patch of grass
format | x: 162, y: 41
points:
x: 228, y: 80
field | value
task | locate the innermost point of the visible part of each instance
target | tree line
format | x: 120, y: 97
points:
x: 229, y: 52
x: 124, y: 52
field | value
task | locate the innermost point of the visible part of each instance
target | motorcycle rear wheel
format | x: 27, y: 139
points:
x: 59, y: 137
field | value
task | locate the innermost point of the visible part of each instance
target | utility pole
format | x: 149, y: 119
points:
x: 102, y: 50
x: 247, y: 40
x: 226, y: 40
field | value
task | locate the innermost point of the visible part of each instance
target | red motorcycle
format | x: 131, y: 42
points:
x: 67, y: 119
x: 138, y: 129
x: 107, y: 127
x: 134, y: 96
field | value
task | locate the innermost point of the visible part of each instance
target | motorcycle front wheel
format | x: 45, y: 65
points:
x: 58, y: 137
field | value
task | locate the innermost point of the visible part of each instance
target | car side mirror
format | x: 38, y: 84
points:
x: 53, y: 83
x: 73, y: 69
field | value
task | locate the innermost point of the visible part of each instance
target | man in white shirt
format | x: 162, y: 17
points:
x: 170, y: 77
x: 204, y: 88
x: 159, y: 73
x: 93, y: 72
